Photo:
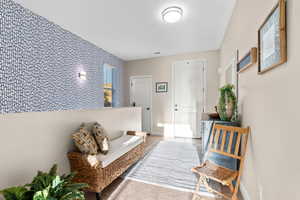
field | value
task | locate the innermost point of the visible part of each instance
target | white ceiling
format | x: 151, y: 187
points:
x: 133, y: 29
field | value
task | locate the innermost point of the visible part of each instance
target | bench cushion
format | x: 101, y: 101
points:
x: 118, y: 148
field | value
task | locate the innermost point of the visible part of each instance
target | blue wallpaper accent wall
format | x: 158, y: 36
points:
x: 40, y: 62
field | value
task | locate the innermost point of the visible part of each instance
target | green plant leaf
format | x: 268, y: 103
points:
x: 47, y: 186
x: 52, y: 198
x: 56, y: 181
x: 53, y: 170
x: 15, y: 193
x: 73, y: 195
x: 77, y: 186
x: 69, y: 177
x: 42, y: 195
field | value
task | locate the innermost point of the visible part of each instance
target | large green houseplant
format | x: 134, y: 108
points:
x: 227, y: 106
x: 47, y: 186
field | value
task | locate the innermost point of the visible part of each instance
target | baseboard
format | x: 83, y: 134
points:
x: 244, y: 192
x: 156, y: 134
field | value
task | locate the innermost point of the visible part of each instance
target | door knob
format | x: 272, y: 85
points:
x: 148, y: 108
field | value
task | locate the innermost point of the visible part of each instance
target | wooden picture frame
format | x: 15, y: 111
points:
x: 161, y: 87
x: 248, y: 60
x: 272, y: 41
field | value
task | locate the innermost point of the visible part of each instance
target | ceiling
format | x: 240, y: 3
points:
x: 133, y: 29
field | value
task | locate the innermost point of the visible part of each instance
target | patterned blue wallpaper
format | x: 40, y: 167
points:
x: 40, y: 62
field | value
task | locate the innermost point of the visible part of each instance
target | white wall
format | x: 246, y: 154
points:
x: 269, y: 104
x: 35, y: 141
x: 161, y: 71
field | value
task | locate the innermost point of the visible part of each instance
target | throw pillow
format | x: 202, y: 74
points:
x: 85, y: 141
x: 101, y: 138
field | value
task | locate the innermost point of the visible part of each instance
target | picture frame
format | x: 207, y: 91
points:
x: 272, y: 39
x: 161, y: 87
x: 247, y: 61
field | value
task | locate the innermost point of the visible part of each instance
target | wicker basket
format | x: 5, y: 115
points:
x: 97, y: 177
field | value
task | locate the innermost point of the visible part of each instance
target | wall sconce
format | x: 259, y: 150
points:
x: 82, y: 75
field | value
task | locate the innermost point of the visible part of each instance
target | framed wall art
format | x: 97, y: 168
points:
x: 247, y: 61
x: 272, y: 41
x: 161, y: 87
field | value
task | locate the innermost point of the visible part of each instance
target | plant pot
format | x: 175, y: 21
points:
x: 228, y: 112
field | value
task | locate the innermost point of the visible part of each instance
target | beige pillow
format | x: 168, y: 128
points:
x: 101, y: 138
x: 85, y: 141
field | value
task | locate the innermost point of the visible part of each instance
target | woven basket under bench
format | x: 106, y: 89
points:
x: 89, y: 169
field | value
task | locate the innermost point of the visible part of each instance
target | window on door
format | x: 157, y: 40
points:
x: 109, y: 87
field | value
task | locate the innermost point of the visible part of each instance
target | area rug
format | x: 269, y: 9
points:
x: 169, y: 165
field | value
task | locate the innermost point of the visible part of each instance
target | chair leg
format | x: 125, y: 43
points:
x: 234, y: 197
x: 98, y: 195
x: 197, y: 190
x: 204, y: 182
x: 231, y: 187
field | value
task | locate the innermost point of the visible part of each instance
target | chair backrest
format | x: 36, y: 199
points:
x: 229, y: 141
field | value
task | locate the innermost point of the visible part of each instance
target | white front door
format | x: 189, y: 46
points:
x: 141, y: 96
x: 188, y: 97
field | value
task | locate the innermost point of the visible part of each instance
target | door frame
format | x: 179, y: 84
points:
x: 151, y: 96
x: 232, y: 64
x: 204, y: 89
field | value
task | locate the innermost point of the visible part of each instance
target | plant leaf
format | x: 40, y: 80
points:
x: 77, y: 186
x: 47, y: 186
x: 53, y: 170
x: 15, y: 193
x: 73, y: 195
x: 56, y: 181
x: 42, y: 195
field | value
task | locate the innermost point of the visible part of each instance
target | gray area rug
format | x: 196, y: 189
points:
x: 169, y: 165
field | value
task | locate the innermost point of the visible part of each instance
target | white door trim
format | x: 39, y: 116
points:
x: 130, y: 95
x: 222, y: 72
x: 204, y: 61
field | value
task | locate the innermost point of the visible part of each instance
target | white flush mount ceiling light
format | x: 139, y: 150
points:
x: 172, y: 14
x: 82, y: 75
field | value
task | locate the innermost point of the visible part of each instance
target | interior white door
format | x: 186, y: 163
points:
x: 188, y: 98
x: 141, y: 96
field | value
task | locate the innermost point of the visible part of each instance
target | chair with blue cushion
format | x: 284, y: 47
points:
x: 227, y: 143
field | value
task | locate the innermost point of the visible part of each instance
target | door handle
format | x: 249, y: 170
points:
x: 176, y: 109
x: 148, y: 108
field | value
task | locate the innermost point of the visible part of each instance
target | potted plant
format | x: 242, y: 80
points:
x: 227, y: 106
x: 47, y: 186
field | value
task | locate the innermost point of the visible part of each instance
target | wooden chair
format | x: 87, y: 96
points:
x: 230, y: 142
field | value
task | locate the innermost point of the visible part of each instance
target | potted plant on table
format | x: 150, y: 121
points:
x: 227, y: 106
x: 47, y: 186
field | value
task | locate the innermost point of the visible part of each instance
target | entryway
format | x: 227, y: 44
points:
x: 188, y: 97
x: 141, y: 96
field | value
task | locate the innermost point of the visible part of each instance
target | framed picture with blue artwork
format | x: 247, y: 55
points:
x: 161, y: 87
x: 272, y: 41
x: 248, y: 60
